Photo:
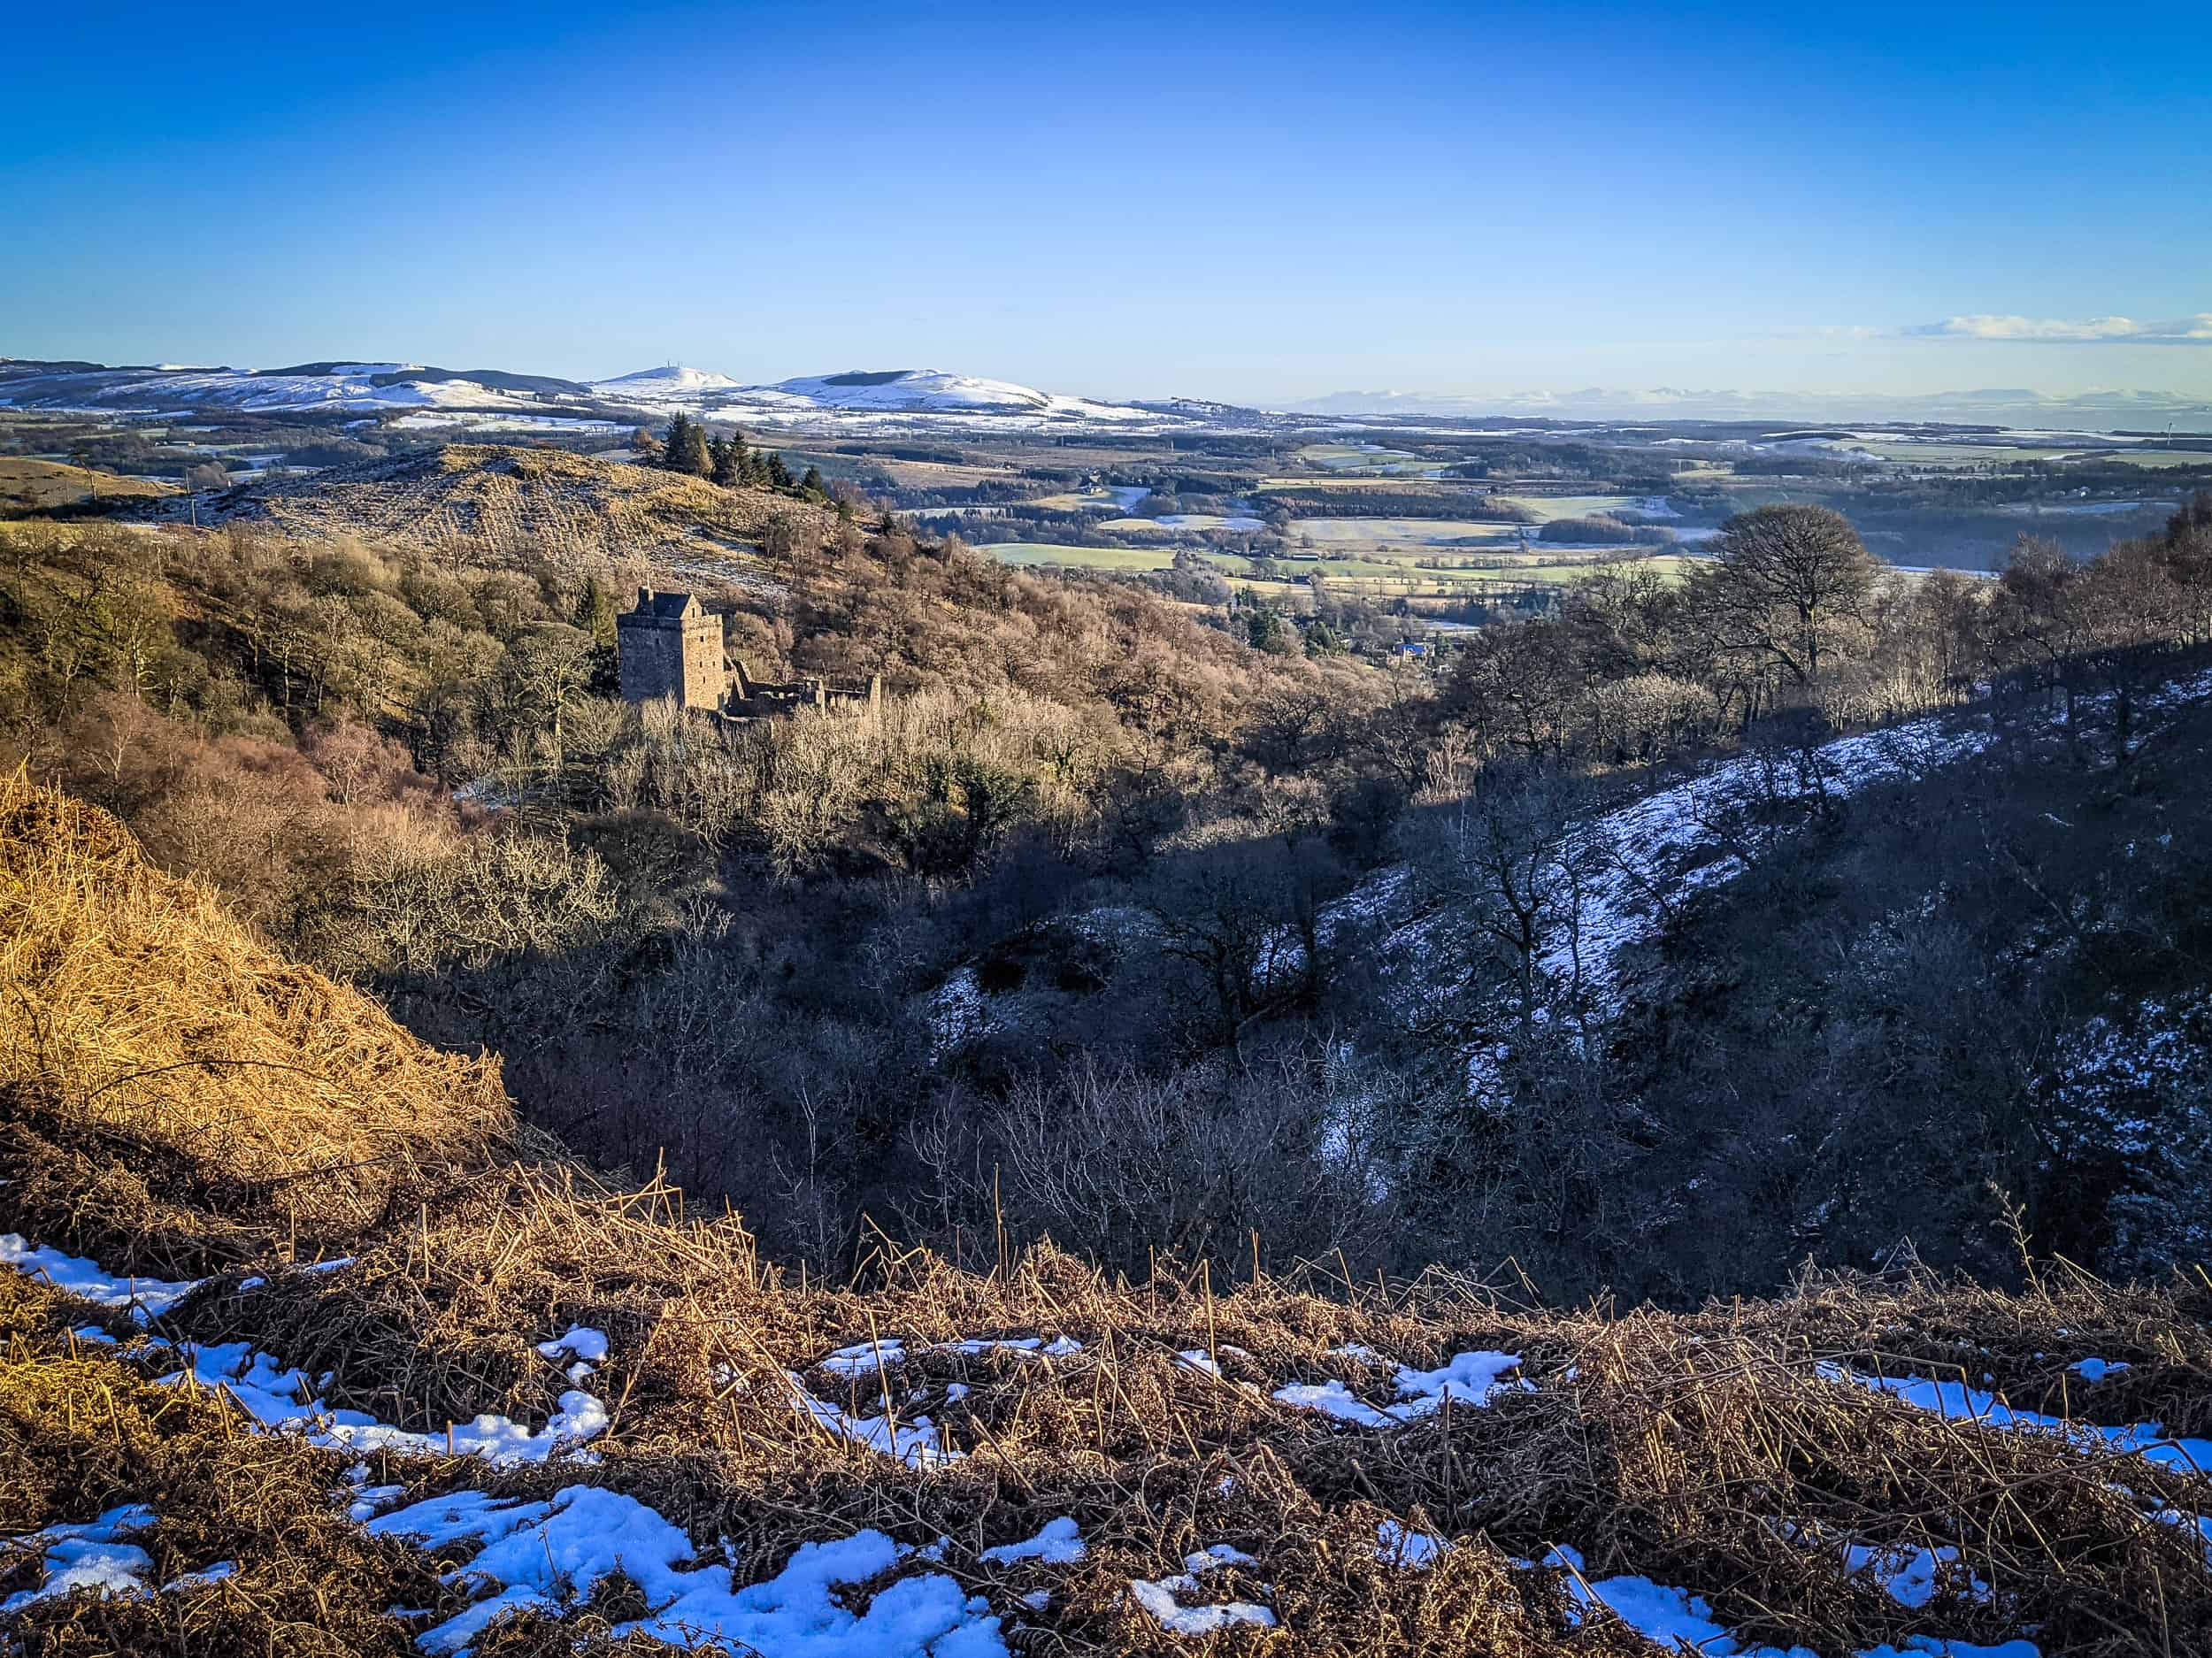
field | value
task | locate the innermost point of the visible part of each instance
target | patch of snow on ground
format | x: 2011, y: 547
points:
x: 1671, y: 1618
x: 146, y: 1297
x: 588, y: 1346
x: 1910, y: 1577
x: 1058, y: 1347
x: 1059, y: 1544
x: 278, y: 1398
x: 1332, y: 1398
x: 1158, y: 1596
x: 1397, y: 1544
x: 1647, y: 846
x: 956, y: 1013
x: 367, y: 1501
x: 865, y: 1359
x: 1208, y: 521
x: 578, y: 1341
x: 221, y: 1571
x: 1956, y: 1402
x: 92, y: 1556
x: 2201, y: 1524
x: 915, y: 1443
x: 1470, y: 1378
x: 550, y: 1555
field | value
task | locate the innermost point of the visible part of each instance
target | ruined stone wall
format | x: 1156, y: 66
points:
x: 702, y: 676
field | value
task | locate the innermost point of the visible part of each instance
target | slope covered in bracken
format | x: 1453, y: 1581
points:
x: 308, y: 1349
x: 524, y: 505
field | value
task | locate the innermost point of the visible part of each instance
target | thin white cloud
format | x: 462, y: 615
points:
x: 2195, y: 330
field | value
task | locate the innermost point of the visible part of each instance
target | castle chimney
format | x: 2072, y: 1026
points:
x: 645, y: 598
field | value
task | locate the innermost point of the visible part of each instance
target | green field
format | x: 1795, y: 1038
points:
x: 1963, y: 456
x: 2159, y: 458
x: 1415, y: 535
x: 1334, y: 568
x: 1544, y: 508
x: 1031, y: 554
x: 1364, y: 579
x: 1409, y: 483
x: 1103, y: 498
x: 1186, y: 524
x: 1951, y: 456
x: 1367, y: 459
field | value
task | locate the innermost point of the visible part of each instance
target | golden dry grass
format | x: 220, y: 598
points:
x: 1709, y: 1450
x: 521, y: 505
x: 1683, y: 1447
x: 80, y: 1433
x: 37, y: 486
x: 137, y: 1014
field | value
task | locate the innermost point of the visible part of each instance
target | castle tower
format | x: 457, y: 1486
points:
x: 669, y: 645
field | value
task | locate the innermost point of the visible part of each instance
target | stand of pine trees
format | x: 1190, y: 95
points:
x: 731, y: 462
x: 686, y: 449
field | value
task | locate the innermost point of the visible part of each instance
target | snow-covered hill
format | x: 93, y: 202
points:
x: 671, y: 384
x: 855, y: 401
x: 347, y: 387
x: 867, y: 398
x: 933, y: 391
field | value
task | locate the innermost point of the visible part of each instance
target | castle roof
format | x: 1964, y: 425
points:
x: 664, y: 607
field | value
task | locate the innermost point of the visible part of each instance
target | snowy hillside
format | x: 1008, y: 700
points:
x: 671, y: 384
x: 349, y: 387
x: 854, y: 401
x: 1604, y: 885
x: 933, y: 391
x: 864, y: 397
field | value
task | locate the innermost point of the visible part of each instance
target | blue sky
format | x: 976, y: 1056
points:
x: 1245, y: 202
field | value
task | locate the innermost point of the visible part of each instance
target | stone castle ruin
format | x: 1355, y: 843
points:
x: 672, y: 646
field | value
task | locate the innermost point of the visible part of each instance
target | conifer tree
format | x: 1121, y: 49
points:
x: 812, y: 482
x: 688, y: 447
x: 1267, y: 631
x: 595, y: 611
x: 779, y: 474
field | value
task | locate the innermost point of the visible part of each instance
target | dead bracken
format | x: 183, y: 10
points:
x: 1058, y: 1459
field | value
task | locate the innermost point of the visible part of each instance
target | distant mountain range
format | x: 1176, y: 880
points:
x: 856, y: 398
x: 909, y: 391
x: 863, y: 400
x: 2009, y: 407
